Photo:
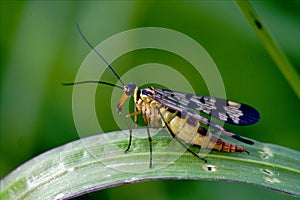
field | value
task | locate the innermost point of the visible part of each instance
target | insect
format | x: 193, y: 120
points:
x: 180, y: 112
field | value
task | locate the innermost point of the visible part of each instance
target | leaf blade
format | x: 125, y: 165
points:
x: 72, y: 170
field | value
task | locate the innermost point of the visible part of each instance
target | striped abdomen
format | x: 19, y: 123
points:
x: 191, y: 132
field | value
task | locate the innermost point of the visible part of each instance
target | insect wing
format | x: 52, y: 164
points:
x: 225, y: 110
x: 175, y: 106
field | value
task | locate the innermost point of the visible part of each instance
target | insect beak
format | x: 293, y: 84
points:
x: 121, y: 102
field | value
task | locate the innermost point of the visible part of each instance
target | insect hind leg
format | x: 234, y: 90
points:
x: 178, y: 140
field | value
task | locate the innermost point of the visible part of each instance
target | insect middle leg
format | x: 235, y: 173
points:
x: 150, y: 144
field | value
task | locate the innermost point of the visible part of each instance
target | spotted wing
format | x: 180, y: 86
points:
x: 225, y: 110
x: 175, y: 106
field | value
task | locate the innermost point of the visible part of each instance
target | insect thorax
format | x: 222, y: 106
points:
x: 183, y: 126
x: 146, y: 105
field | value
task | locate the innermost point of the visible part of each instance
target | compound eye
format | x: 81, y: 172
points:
x: 129, y: 89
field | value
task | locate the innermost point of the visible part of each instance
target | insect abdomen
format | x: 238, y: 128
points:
x: 220, y: 145
x: 191, y: 132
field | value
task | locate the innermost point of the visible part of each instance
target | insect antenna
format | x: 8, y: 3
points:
x: 99, y: 54
x: 98, y: 82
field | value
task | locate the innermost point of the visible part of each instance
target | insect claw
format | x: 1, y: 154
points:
x: 204, y: 160
x: 150, y: 165
x: 128, y: 147
x: 119, y: 109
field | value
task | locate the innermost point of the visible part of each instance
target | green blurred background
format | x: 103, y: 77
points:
x: 41, y: 48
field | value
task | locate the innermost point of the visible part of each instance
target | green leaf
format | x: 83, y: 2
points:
x: 98, y: 162
x: 282, y: 62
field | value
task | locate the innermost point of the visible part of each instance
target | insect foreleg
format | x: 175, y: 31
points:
x: 135, y: 117
x: 130, y: 130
